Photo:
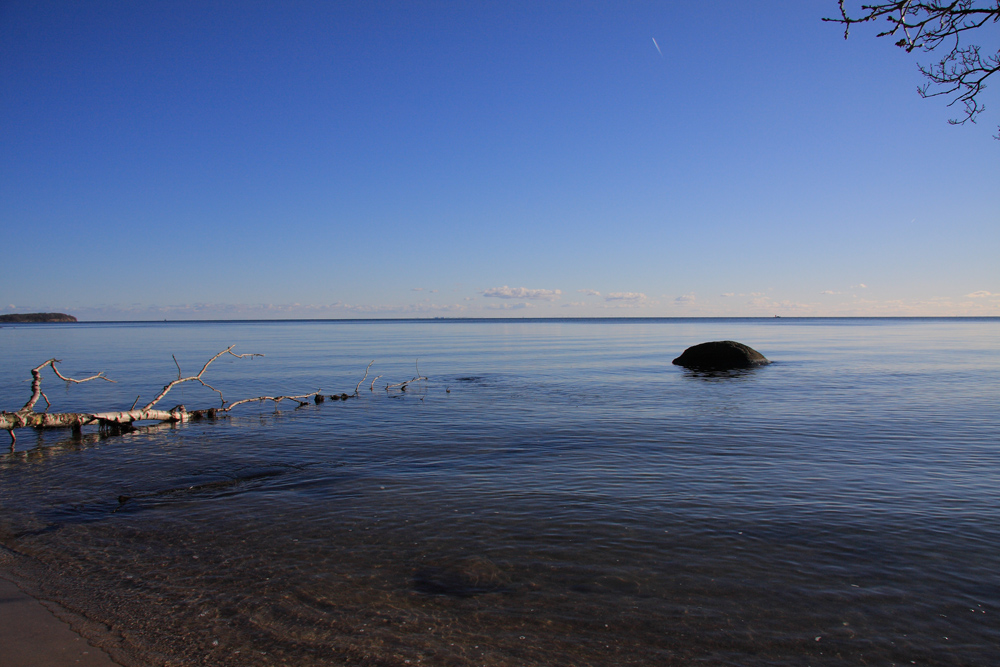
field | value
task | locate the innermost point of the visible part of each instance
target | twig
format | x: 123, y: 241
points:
x: 53, y: 362
x: 402, y: 385
x: 363, y: 379
x: 36, y: 381
x: 197, y: 378
x: 374, y: 380
x: 301, y: 400
x: 927, y: 25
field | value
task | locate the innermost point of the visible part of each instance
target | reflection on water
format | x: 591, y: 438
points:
x: 722, y: 374
x: 554, y: 494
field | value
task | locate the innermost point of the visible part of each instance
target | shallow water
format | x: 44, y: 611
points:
x: 556, y: 493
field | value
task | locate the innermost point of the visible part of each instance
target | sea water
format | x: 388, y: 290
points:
x: 556, y: 492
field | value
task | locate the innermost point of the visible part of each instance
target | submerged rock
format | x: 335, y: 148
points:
x: 720, y: 355
x: 463, y: 579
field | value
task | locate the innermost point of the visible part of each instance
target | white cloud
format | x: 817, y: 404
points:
x: 625, y: 296
x: 861, y: 285
x: 522, y: 293
x: 508, y: 306
x: 728, y: 294
x: 685, y: 298
x: 974, y: 295
x: 591, y: 292
x: 829, y: 291
x: 416, y: 289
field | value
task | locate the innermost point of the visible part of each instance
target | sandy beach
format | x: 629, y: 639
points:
x: 32, y: 636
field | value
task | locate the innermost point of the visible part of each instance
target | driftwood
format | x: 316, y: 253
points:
x: 402, y: 385
x: 117, y: 422
x: 363, y: 379
x: 114, y: 422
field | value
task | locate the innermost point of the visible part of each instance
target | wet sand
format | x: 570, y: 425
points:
x: 32, y: 636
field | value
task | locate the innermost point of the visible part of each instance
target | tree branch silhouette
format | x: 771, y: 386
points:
x: 962, y: 71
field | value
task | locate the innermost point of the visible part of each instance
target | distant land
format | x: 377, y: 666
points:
x: 37, y: 317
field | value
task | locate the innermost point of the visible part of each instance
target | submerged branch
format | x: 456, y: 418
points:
x: 402, y: 385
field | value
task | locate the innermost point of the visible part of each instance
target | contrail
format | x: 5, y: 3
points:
x: 657, y: 46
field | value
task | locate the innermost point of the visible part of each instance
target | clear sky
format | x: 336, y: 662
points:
x: 383, y: 159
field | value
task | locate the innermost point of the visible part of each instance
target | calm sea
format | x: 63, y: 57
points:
x: 555, y: 493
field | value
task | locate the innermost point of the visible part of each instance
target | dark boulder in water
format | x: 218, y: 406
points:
x: 720, y: 355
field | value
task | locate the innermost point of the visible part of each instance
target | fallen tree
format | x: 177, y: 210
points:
x: 114, y: 422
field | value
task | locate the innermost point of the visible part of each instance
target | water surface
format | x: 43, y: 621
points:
x: 556, y: 493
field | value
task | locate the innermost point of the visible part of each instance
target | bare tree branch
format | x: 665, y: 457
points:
x: 402, y: 385
x: 962, y: 71
x: 301, y: 400
x: 363, y: 379
x: 197, y: 378
x: 36, y: 382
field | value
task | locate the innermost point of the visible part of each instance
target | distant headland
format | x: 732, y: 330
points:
x: 37, y: 317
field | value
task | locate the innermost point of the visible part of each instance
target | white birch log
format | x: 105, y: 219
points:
x: 28, y: 417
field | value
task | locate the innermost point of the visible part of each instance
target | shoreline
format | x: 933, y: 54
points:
x: 32, y: 635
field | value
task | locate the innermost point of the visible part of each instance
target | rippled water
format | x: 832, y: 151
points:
x: 556, y: 493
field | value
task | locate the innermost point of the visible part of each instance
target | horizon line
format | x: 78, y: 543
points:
x: 522, y: 319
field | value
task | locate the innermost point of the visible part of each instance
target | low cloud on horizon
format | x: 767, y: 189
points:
x: 506, y: 292
x: 625, y: 296
x: 508, y: 306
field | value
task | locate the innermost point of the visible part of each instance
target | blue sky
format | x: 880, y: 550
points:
x: 240, y: 160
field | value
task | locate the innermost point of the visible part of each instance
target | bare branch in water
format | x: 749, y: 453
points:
x: 363, y: 379
x: 402, y: 385
x: 197, y: 378
x: 116, y: 422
